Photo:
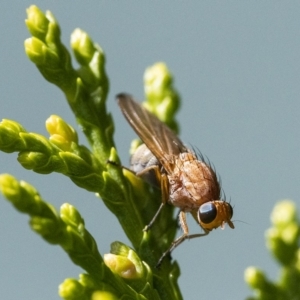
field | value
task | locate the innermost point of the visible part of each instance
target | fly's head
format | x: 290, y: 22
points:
x: 214, y: 214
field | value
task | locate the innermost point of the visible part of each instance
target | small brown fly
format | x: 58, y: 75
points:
x: 186, y: 181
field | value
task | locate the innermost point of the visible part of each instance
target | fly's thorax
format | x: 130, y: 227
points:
x: 214, y: 214
x: 142, y: 159
x: 192, y: 183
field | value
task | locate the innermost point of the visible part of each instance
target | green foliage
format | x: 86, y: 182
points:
x: 283, y: 242
x: 125, y: 273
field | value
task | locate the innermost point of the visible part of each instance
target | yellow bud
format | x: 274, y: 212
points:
x: 61, y: 134
x: 102, y: 295
x: 83, y: 46
x: 120, y: 265
x: 69, y: 288
x: 36, y: 22
x: 290, y: 233
x: 283, y: 213
x: 155, y: 77
x: 254, y: 277
x: 9, y: 186
x: 70, y: 215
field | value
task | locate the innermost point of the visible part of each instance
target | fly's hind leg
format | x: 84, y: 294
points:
x: 163, y: 183
x: 164, y: 186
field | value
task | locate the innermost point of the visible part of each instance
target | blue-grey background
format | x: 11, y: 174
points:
x: 237, y: 67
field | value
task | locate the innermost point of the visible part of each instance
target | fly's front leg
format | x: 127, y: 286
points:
x: 178, y: 241
x: 182, y: 238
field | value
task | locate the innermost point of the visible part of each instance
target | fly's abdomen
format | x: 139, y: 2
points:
x: 141, y: 160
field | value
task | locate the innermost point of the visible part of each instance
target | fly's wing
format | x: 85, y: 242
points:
x: 159, y: 138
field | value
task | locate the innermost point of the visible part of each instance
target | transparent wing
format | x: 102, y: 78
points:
x: 159, y: 138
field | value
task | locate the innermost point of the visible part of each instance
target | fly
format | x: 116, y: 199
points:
x: 186, y: 181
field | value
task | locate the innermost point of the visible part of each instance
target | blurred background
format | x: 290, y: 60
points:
x: 236, y: 66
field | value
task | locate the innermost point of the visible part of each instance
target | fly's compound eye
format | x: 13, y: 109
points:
x: 207, y: 213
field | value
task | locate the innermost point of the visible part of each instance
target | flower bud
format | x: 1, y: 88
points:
x: 10, y: 140
x: 70, y: 289
x: 33, y: 160
x: 36, y: 22
x: 283, y: 243
x: 82, y: 46
x: 282, y: 238
x: 40, y: 54
x: 10, y: 187
x: 156, y: 78
x: 61, y: 134
x: 120, y: 265
x: 53, y: 34
x: 70, y: 215
x: 283, y: 213
x: 255, y: 277
x: 103, y: 295
x: 162, y: 98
